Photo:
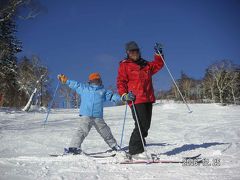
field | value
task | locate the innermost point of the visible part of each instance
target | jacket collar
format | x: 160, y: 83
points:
x: 96, y: 87
x: 141, y: 62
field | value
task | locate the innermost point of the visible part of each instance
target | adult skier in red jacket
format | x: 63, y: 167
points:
x: 134, y: 83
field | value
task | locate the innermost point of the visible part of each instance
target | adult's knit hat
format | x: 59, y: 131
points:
x: 132, y: 45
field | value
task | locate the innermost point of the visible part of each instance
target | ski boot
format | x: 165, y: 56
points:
x: 72, y: 150
x: 116, y: 148
x: 140, y: 156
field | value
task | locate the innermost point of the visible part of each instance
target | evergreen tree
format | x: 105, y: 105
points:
x: 9, y: 47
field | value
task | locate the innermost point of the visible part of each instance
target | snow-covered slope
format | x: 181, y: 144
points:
x: 212, y: 130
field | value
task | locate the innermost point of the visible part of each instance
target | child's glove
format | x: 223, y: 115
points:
x: 62, y: 78
x: 128, y: 97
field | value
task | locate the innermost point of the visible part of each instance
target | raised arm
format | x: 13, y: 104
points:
x: 156, y: 64
x: 74, y: 85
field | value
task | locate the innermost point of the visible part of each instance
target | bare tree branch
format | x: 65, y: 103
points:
x: 34, y: 8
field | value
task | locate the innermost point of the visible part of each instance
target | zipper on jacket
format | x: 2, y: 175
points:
x: 93, y: 102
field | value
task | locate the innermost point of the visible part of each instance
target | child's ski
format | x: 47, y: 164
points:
x: 56, y: 155
x: 93, y: 156
x: 102, y: 156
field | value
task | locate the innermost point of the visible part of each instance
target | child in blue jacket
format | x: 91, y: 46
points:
x: 92, y: 96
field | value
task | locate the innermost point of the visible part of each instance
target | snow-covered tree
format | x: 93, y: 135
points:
x: 209, y: 87
x: 66, y: 93
x: 33, y: 81
x: 75, y: 100
x: 222, y: 73
x: 186, y: 83
x: 9, y: 47
x: 24, y: 9
x: 10, y: 10
x: 234, y: 85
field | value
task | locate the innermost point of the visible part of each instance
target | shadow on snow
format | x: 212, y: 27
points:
x: 189, y: 147
x: 175, y: 151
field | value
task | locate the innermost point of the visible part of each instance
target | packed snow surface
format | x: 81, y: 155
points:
x: 212, y: 130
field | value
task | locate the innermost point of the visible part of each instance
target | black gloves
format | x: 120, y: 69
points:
x: 158, y: 48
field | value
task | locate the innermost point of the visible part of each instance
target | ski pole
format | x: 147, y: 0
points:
x: 124, y: 119
x: 135, y: 112
x: 189, y: 110
x: 49, y: 107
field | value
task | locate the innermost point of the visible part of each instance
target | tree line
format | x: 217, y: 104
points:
x: 220, y: 84
x: 23, y: 81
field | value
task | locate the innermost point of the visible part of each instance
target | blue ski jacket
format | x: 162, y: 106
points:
x: 92, y: 98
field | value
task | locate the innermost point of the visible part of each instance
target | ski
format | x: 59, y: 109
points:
x: 85, y: 154
x: 196, y: 159
x: 157, y: 156
x: 102, y: 156
x: 99, y: 153
x: 56, y: 155
x: 155, y: 161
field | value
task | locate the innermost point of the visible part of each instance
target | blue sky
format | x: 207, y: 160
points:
x: 80, y: 37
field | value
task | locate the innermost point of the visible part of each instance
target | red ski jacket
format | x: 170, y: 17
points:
x: 137, y: 78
